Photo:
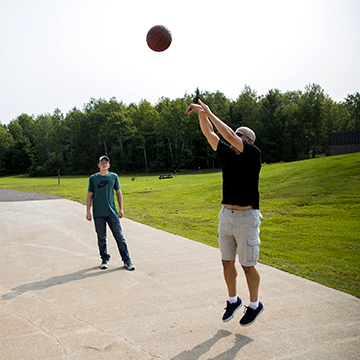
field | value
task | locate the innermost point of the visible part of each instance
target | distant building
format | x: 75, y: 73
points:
x: 344, y: 142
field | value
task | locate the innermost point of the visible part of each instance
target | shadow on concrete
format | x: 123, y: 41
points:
x: 204, y: 347
x: 14, y: 195
x: 57, y: 280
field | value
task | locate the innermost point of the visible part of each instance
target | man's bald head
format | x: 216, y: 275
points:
x: 247, y: 132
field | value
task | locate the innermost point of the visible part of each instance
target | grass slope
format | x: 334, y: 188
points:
x: 311, y: 221
x: 310, y: 227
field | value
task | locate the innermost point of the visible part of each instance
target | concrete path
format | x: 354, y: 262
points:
x: 57, y: 304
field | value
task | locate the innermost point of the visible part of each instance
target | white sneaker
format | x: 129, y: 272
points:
x: 104, y: 264
x: 129, y: 265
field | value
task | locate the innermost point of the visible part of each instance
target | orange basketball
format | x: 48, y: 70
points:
x: 159, y: 38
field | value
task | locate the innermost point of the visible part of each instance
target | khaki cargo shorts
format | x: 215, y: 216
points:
x: 239, y: 232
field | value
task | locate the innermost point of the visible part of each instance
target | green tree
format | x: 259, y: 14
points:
x: 170, y: 131
x: 119, y: 130
x: 61, y: 133
x: 144, y: 137
x: 336, y: 119
x: 245, y: 110
x: 27, y: 124
x: 50, y: 144
x: 352, y: 103
x: 312, y: 102
x: 272, y: 131
x: 196, y: 96
x: 293, y: 139
x: 79, y: 159
x: 6, y: 141
x: 21, y: 155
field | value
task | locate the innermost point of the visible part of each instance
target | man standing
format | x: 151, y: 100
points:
x: 239, y: 218
x: 101, y: 193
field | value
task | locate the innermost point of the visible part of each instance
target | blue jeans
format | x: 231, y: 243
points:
x: 115, y: 227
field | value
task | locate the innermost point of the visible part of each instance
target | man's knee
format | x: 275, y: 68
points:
x: 228, y: 265
x: 248, y: 269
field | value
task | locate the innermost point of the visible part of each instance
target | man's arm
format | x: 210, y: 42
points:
x: 88, y: 205
x: 205, y: 125
x: 226, y: 131
x: 208, y: 131
x: 119, y: 197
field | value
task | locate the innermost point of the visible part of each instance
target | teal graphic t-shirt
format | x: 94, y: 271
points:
x: 103, y: 188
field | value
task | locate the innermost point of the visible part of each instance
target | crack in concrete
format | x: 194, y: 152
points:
x: 80, y: 320
x: 37, y: 327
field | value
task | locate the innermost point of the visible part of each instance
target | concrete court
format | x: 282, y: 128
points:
x: 57, y: 304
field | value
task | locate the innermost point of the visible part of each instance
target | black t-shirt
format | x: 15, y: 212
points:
x: 240, y: 174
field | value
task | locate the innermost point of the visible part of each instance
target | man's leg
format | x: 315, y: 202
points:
x: 115, y: 227
x: 255, y: 307
x: 228, y: 246
x: 230, y: 274
x: 234, y: 302
x: 100, y: 227
x: 253, y: 281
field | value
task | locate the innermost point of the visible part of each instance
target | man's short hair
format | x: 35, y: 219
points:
x: 104, y: 157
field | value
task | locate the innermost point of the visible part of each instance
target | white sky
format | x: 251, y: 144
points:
x: 61, y: 53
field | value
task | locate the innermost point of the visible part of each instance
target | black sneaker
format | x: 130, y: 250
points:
x: 231, y: 309
x: 250, y: 315
x: 129, y: 265
x: 104, y: 264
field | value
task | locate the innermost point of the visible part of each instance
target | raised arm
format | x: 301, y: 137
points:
x: 205, y: 125
x: 225, y: 130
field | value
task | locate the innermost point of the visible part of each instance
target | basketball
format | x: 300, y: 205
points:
x: 159, y: 38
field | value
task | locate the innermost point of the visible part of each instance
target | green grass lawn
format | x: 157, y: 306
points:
x: 311, y: 223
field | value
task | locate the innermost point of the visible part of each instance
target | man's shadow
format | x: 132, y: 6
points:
x: 56, y: 280
x: 203, y: 348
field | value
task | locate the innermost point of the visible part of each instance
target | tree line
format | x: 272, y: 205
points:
x: 289, y: 126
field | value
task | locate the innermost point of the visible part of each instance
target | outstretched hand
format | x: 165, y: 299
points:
x: 204, y: 108
x: 192, y: 109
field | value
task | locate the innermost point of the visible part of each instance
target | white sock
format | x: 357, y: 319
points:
x: 254, y: 305
x: 233, y: 299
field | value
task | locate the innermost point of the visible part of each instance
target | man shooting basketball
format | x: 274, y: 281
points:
x: 239, y: 218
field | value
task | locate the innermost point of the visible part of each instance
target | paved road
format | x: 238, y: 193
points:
x: 55, y: 302
x: 11, y: 195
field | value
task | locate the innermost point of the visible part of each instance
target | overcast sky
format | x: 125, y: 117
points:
x: 62, y: 53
